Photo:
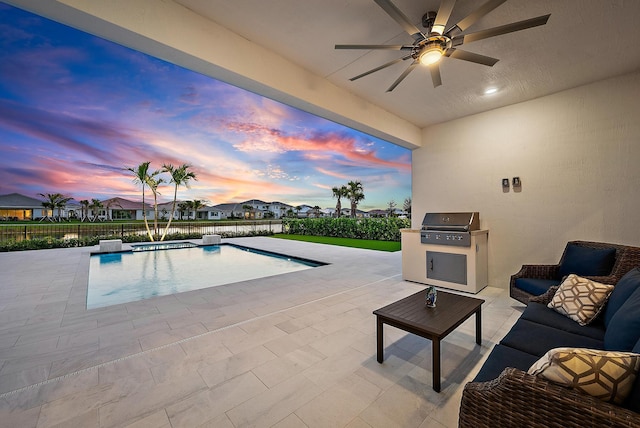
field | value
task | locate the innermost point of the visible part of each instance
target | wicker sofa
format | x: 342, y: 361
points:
x: 504, y: 395
x: 534, y: 280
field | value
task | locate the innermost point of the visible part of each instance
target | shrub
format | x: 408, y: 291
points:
x: 382, y: 229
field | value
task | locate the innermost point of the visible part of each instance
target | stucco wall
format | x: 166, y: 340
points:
x: 577, y: 154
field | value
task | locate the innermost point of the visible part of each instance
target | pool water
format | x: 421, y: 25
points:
x: 141, y: 274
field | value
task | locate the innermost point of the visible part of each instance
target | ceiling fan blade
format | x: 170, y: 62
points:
x: 401, y: 19
x: 390, y: 63
x: 368, y: 47
x: 435, y: 75
x: 503, y: 29
x: 403, y: 75
x: 477, y: 14
x: 446, y: 7
x: 471, y: 57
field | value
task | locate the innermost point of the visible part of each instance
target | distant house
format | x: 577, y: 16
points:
x: 303, y: 211
x: 15, y: 206
x: 359, y: 213
x: 397, y: 212
x: 378, y: 213
x: 164, y: 211
x: 279, y: 209
x: 231, y: 210
x: 123, y: 209
x: 211, y: 213
x: 259, y: 209
x: 73, y: 209
x: 328, y: 212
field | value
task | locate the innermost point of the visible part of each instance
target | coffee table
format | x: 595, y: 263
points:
x: 410, y: 314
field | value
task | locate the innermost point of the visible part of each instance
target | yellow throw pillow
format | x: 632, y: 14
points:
x: 606, y: 375
x: 580, y: 298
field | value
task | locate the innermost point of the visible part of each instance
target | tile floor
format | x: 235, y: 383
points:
x: 295, y: 350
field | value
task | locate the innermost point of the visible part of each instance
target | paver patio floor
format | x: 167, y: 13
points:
x: 294, y: 350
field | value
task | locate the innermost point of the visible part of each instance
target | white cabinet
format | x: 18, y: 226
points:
x: 458, y: 268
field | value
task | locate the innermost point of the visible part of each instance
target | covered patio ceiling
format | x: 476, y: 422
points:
x: 285, y: 50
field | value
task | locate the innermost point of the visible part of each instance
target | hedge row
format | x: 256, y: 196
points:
x: 45, y: 243
x: 382, y: 229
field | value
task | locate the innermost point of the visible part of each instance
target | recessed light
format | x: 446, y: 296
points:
x: 490, y: 91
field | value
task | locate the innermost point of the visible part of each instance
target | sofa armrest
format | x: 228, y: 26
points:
x: 531, y: 271
x: 546, y: 297
x: 537, y: 271
x: 516, y: 398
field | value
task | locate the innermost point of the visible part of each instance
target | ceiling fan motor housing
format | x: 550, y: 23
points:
x: 428, y: 19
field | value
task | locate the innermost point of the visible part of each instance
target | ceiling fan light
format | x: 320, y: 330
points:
x: 431, y: 55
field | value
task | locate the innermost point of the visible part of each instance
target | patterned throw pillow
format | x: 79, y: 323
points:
x: 606, y: 375
x: 580, y: 298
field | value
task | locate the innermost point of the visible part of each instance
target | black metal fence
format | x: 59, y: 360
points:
x: 19, y: 232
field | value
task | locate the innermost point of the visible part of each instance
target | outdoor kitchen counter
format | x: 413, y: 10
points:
x: 415, y: 261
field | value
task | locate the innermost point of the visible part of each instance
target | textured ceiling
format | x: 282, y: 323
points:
x: 584, y: 41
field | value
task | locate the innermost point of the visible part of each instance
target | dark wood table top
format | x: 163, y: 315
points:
x: 451, y: 310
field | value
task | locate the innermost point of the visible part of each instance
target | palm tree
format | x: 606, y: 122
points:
x: 407, y: 206
x: 47, y: 205
x: 196, y: 204
x: 184, y: 206
x: 54, y: 201
x: 85, y: 210
x: 316, y: 211
x: 180, y: 176
x: 95, y: 208
x: 111, y: 203
x: 61, y: 204
x: 355, y: 195
x: 141, y: 175
x: 339, y: 192
x: 391, y: 206
x: 153, y: 184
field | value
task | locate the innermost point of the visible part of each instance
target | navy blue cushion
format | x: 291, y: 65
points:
x: 535, y: 286
x: 629, y: 283
x: 624, y: 328
x: 502, y: 357
x: 537, y: 339
x: 584, y: 261
x: 633, y: 400
x: 541, y: 314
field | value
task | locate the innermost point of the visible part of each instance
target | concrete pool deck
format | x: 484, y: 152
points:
x: 294, y: 350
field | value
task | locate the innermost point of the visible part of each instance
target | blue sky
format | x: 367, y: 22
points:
x: 76, y: 109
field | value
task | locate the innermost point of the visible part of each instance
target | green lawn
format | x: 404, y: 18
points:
x: 344, y: 242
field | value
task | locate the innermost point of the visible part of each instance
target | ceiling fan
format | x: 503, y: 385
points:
x: 441, y: 41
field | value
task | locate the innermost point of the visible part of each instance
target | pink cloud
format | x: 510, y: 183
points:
x: 332, y: 173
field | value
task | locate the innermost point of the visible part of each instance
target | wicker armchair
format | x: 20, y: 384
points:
x: 518, y: 399
x: 627, y: 258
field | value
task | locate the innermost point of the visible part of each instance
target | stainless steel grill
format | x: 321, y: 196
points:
x: 449, y: 228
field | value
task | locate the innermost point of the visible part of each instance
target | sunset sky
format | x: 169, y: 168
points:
x: 76, y: 109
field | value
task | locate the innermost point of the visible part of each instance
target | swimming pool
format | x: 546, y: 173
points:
x: 148, y: 272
